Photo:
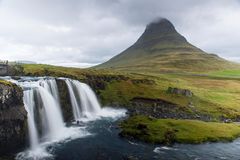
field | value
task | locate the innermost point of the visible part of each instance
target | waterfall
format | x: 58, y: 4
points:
x: 45, y: 120
x: 41, y: 99
x: 51, y: 86
x: 45, y: 93
x: 74, y: 101
x: 30, y: 107
x: 52, y: 113
x: 83, y: 99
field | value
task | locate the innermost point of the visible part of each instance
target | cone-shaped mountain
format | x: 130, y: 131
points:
x: 161, y: 48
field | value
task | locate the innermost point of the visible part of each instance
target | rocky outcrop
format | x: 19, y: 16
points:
x: 143, y: 81
x: 178, y: 91
x: 159, y: 108
x: 13, y: 118
x: 65, y: 101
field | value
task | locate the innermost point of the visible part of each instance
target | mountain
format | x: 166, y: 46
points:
x: 162, y: 49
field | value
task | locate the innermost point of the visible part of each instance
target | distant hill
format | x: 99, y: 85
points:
x: 25, y: 62
x: 162, y: 49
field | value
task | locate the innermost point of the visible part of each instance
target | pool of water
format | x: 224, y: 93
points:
x: 103, y: 143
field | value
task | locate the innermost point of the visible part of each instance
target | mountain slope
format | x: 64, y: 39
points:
x: 161, y: 48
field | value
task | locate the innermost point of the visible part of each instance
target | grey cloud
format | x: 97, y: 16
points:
x: 87, y: 32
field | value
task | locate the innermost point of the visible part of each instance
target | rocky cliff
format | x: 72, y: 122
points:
x: 13, y: 118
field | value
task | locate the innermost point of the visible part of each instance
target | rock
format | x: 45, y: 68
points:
x: 13, y: 118
x: 141, y: 126
x: 130, y: 158
x: 65, y: 101
x: 143, y: 81
x: 159, y: 108
x: 178, y: 91
x: 227, y: 121
x: 190, y: 104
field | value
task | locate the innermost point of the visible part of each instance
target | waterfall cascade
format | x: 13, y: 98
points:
x: 45, y: 120
x: 42, y: 104
x: 84, y: 101
x: 41, y: 99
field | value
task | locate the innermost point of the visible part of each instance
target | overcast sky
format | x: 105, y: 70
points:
x: 88, y: 32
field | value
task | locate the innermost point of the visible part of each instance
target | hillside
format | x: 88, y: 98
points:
x: 162, y: 49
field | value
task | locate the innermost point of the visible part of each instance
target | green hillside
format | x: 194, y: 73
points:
x: 162, y: 49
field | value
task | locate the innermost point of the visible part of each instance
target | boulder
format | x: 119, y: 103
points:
x: 178, y: 91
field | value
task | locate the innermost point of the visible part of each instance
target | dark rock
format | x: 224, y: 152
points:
x: 65, y: 101
x: 178, y: 91
x: 141, y: 126
x: 158, y: 108
x: 227, y: 121
x: 130, y: 158
x: 169, y: 137
x: 13, y: 119
x: 143, y: 81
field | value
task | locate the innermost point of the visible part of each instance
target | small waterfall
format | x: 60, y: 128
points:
x: 45, y: 93
x: 74, y: 101
x: 30, y: 107
x: 45, y: 120
x: 52, y: 113
x: 51, y: 86
x: 83, y: 100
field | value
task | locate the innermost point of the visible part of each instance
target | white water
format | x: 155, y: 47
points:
x: 45, y: 121
x: 43, y: 92
x: 30, y: 107
x: 52, y: 113
x: 74, y: 102
x: 83, y: 99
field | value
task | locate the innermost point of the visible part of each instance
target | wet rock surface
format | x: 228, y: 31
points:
x: 13, y: 119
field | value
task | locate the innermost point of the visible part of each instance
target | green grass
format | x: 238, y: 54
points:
x: 168, y: 131
x: 57, y: 71
x: 227, y: 73
x: 6, y: 83
x: 214, y: 97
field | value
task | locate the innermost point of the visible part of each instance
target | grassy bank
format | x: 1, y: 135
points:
x: 214, y: 95
x: 168, y: 131
x: 7, y: 83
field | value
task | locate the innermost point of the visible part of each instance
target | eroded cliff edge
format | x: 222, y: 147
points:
x: 13, y: 118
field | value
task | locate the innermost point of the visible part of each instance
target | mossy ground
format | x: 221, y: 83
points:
x: 5, y: 82
x: 168, y: 131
